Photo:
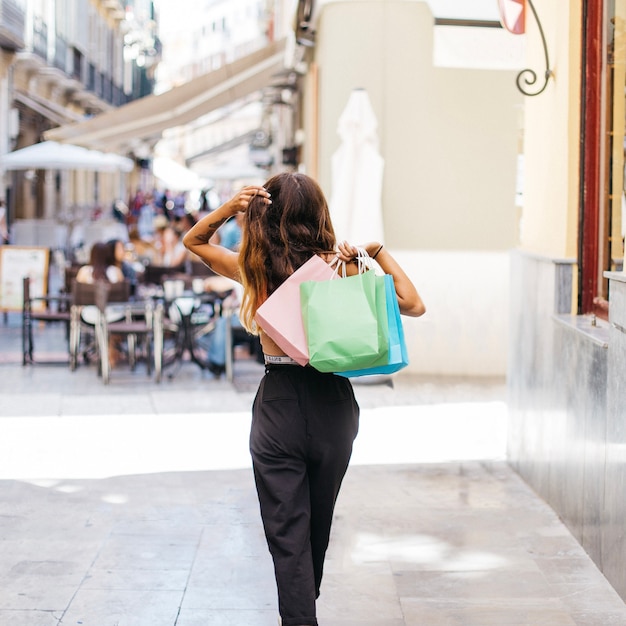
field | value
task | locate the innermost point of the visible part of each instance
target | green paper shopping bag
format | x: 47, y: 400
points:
x: 345, y: 322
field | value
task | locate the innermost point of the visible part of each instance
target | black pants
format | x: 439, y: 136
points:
x: 303, y: 426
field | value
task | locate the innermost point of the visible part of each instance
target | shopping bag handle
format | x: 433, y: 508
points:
x: 363, y: 259
x: 338, y: 265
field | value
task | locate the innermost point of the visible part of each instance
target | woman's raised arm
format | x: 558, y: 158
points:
x: 198, y: 238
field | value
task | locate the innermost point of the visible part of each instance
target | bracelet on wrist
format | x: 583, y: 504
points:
x: 377, y: 251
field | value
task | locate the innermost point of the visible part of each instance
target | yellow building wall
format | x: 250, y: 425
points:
x: 552, y: 133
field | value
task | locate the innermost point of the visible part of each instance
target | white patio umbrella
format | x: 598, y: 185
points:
x: 236, y: 171
x: 50, y: 155
x: 115, y: 162
x: 177, y: 177
x: 357, y: 174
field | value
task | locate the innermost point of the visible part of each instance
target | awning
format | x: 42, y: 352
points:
x: 175, y: 176
x: 49, y: 110
x: 148, y: 117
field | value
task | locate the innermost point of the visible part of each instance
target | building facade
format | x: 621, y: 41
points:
x: 566, y: 369
x: 63, y: 61
x: 216, y: 34
x: 223, y: 64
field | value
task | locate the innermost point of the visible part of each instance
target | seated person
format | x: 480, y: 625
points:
x: 102, y: 267
x: 173, y: 252
x: 117, y: 251
x: 183, y: 223
x: 215, y: 342
x: 145, y: 251
x: 229, y: 235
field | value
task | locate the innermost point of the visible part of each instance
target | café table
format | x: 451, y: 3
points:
x: 194, y: 317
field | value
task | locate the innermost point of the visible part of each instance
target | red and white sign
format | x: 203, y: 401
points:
x: 513, y: 15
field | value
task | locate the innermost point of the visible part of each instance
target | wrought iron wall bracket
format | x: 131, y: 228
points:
x: 528, y: 76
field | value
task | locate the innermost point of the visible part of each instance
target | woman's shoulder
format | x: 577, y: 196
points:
x: 85, y: 274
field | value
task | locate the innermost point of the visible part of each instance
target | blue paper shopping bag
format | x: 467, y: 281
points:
x: 398, y: 355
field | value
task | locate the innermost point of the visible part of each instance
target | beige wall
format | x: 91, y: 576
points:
x: 449, y: 137
x: 552, y: 134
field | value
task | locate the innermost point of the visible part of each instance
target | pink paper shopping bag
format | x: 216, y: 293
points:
x: 280, y: 315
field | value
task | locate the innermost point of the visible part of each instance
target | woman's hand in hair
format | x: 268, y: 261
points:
x: 201, y: 238
x: 241, y: 201
x: 346, y: 251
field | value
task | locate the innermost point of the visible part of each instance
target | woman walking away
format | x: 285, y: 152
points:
x: 303, y: 422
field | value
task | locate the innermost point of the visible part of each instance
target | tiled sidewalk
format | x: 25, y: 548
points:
x: 133, y: 505
x: 413, y: 545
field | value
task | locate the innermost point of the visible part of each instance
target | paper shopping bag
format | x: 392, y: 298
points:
x: 398, y: 354
x: 280, y: 315
x: 345, y: 322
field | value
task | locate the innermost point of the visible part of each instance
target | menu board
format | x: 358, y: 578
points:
x: 17, y: 262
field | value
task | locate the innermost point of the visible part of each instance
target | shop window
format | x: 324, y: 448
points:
x: 603, y: 195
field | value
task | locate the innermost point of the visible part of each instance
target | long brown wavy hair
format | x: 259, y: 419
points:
x: 100, y: 258
x: 278, y: 238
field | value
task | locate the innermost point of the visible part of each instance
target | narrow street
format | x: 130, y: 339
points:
x: 134, y: 504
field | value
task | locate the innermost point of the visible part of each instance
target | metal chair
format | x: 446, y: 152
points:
x: 141, y: 320
x: 46, y: 309
x: 84, y: 295
x: 200, y: 269
x: 237, y: 335
x: 156, y: 274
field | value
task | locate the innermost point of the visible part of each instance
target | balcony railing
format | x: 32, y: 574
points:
x: 65, y: 56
